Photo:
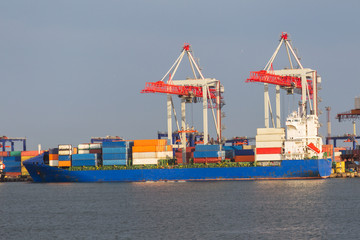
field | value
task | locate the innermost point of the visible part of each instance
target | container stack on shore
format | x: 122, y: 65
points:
x: 64, y: 153
x: 116, y: 153
x: 12, y: 161
x: 149, y: 151
x: 269, y: 144
x: 208, y: 154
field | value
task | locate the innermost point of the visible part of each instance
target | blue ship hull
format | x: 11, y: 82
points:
x: 289, y: 169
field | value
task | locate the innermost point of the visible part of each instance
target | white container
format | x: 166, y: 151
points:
x: 268, y: 157
x: 270, y: 144
x: 84, y: 146
x: 145, y: 161
x: 270, y: 131
x: 140, y: 155
x: 83, y: 151
x: 65, y: 147
x: 269, y: 138
x: 65, y: 152
x: 54, y: 163
x: 95, y: 145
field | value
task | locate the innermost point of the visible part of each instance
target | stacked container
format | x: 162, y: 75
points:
x: 149, y: 151
x: 64, y: 153
x: 86, y: 159
x: 208, y: 154
x: 189, y: 154
x: 269, y: 144
x: 116, y: 153
x: 13, y: 163
x: 328, y: 149
x: 54, y: 157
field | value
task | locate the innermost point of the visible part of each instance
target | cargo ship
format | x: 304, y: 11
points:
x: 294, y: 154
x: 298, y: 157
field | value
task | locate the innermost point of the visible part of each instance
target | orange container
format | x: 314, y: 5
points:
x: 169, y: 148
x: 148, y: 148
x: 31, y: 153
x: 53, y: 156
x: 4, y: 154
x: 64, y: 163
x: 248, y: 158
x: 150, y: 142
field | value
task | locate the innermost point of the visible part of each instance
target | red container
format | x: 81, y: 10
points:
x: 276, y: 150
x: 95, y: 151
x: 207, y: 160
x: 13, y: 174
x: 249, y: 158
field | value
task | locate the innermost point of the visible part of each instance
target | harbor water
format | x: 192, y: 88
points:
x: 293, y: 209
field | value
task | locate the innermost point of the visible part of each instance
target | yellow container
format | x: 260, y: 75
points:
x: 150, y: 142
x: 340, y: 167
x: 148, y: 148
x: 24, y: 172
x: 64, y: 163
x: 24, y: 158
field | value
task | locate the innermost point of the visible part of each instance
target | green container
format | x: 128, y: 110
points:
x: 15, y: 154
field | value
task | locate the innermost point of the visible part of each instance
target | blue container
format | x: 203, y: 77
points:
x: 12, y: 159
x: 202, y: 148
x: 12, y: 169
x: 115, y: 144
x: 64, y: 157
x: 114, y: 162
x: 87, y: 156
x: 244, y: 152
x: 209, y: 154
x: 53, y: 151
x: 79, y: 163
x: 114, y: 156
x: 12, y: 164
x: 115, y: 150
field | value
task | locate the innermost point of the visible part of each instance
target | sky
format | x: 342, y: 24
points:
x: 72, y: 70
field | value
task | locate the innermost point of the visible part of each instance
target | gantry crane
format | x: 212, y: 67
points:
x: 190, y: 90
x: 300, y: 79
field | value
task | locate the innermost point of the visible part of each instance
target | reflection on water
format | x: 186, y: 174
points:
x: 295, y: 209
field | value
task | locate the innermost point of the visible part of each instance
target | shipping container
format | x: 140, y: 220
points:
x: 145, y: 161
x: 210, y: 154
x: 53, y: 151
x: 31, y: 153
x: 84, y: 156
x: 80, y: 163
x: 115, y: 156
x: 114, y: 162
x: 148, y: 148
x: 64, y: 157
x: 65, y: 152
x: 15, y: 154
x: 244, y: 152
x: 83, y: 151
x: 54, y: 163
x: 270, y: 144
x: 53, y: 156
x: 95, y: 146
x: 139, y: 155
x: 64, y: 164
x: 65, y: 147
x: 268, y: 157
x: 115, y: 144
x: 245, y: 158
x: 115, y: 150
x: 269, y: 150
x: 84, y: 146
x: 203, y: 148
x: 150, y: 142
